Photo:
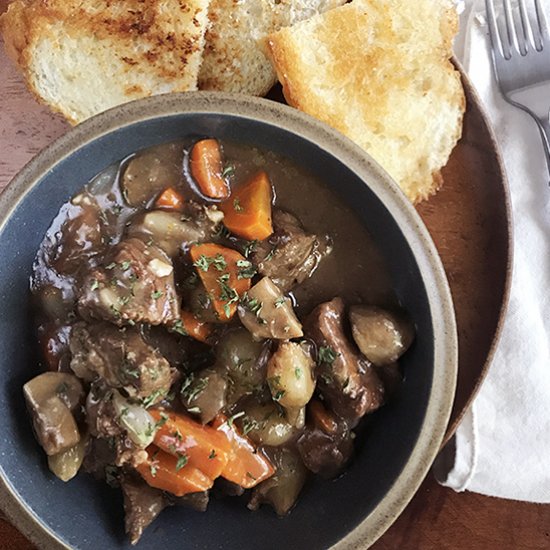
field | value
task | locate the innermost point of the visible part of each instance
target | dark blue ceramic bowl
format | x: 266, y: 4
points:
x: 404, y: 437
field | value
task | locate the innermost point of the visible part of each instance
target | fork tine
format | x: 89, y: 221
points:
x: 524, y: 38
x: 498, y: 46
x: 542, y: 24
x: 510, y: 27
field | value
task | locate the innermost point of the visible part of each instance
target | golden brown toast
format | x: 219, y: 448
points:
x: 380, y: 72
x: 84, y: 56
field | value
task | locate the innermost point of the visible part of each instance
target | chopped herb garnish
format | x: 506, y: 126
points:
x: 279, y: 395
x: 270, y: 254
x: 251, y: 304
x: 151, y: 399
x: 250, y: 247
x: 123, y: 300
x: 327, y: 355
x: 153, y: 468
x: 212, y: 454
x: 237, y: 205
x: 61, y: 389
x: 228, y: 294
x: 246, y: 269
x: 231, y: 420
x: 115, y: 310
x: 125, y: 265
x: 298, y: 373
x: 248, y: 474
x: 228, y: 171
x: 182, y: 461
x: 112, y: 265
x: 279, y: 303
x: 94, y: 285
x: 157, y: 294
x: 191, y: 388
x: 178, y: 435
x: 222, y: 232
x: 204, y: 262
x: 250, y: 424
x: 179, y: 328
x: 346, y: 383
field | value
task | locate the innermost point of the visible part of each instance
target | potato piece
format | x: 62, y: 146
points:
x: 265, y: 424
x: 381, y: 335
x: 290, y: 377
x: 267, y: 313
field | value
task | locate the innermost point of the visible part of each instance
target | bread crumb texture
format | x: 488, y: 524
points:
x: 82, y: 57
x: 379, y: 71
x: 235, y: 57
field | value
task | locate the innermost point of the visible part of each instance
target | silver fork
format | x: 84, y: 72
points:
x: 520, y: 46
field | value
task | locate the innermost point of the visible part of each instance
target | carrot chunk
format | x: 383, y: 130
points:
x: 170, y: 199
x: 246, y: 466
x: 189, y: 325
x: 221, y: 271
x: 205, y: 448
x: 170, y: 473
x: 206, y: 169
x: 248, y: 211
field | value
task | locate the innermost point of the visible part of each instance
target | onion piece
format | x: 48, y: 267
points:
x: 139, y: 424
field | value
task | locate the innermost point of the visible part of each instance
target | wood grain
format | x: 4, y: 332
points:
x: 437, y: 518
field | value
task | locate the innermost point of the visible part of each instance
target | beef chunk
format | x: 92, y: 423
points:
x: 134, y: 285
x: 290, y: 255
x: 121, y: 358
x: 345, y: 378
x: 325, y: 454
x: 142, y: 504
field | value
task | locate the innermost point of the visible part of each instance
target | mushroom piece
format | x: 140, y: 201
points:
x: 65, y: 465
x: 150, y: 172
x: 51, y: 397
x: 382, y: 336
x: 267, y: 313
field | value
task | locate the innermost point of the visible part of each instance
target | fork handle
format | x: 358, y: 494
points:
x: 544, y: 127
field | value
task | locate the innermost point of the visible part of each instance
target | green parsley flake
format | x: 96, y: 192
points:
x: 94, y: 285
x: 228, y: 171
x: 237, y: 205
x: 182, y: 461
x: 327, y: 355
x: 212, y: 454
x: 157, y: 294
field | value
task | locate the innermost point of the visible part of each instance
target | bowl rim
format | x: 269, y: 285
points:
x: 368, y: 170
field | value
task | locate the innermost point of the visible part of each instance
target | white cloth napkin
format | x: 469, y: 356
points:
x: 503, y: 444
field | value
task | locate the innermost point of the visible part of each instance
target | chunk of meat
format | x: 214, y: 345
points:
x: 122, y: 359
x: 267, y: 313
x: 142, y: 504
x: 134, y: 285
x: 290, y: 255
x: 174, y: 231
x: 325, y: 454
x: 345, y: 378
x: 80, y: 237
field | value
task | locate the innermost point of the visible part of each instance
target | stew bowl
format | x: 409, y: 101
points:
x: 402, y: 438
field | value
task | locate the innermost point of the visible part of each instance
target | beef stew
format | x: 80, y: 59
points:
x: 215, y: 321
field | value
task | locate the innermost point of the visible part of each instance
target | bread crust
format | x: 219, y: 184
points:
x: 149, y: 46
x: 370, y: 70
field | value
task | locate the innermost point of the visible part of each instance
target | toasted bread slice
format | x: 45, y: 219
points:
x: 234, y: 58
x: 82, y: 57
x: 380, y: 72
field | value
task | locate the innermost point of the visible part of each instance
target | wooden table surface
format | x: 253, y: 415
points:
x: 437, y: 518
